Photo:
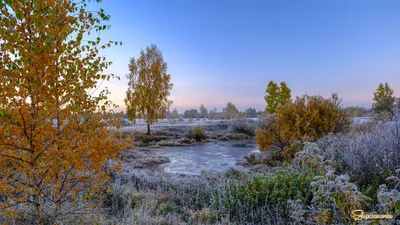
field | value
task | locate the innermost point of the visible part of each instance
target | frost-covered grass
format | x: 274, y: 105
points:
x: 324, y: 183
x: 147, y: 197
x: 140, y: 124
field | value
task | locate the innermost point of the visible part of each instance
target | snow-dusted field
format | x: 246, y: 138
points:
x: 141, y: 125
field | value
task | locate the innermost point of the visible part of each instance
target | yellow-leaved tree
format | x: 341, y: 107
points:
x: 56, y: 147
x: 230, y: 110
x: 149, y: 87
x: 276, y: 96
x: 175, y: 113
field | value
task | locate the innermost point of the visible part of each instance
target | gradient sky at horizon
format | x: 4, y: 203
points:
x: 228, y: 50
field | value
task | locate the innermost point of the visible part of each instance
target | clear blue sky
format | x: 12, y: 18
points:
x: 228, y: 50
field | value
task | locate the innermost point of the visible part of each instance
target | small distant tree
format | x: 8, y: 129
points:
x: 175, y: 113
x: 203, y: 112
x: 212, y: 113
x: 384, y: 99
x: 149, y: 87
x: 276, y: 96
x: 251, y: 112
x: 191, y: 113
x: 230, y: 111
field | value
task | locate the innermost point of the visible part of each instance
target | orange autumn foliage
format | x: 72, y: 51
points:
x: 306, y: 119
x: 55, y: 141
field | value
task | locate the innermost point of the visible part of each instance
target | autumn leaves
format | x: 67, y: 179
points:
x: 55, y: 141
x: 149, y: 87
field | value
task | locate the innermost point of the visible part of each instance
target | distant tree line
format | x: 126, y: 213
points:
x: 228, y: 112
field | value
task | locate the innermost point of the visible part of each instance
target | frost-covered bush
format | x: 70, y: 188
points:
x: 333, y: 199
x: 125, y: 205
x: 389, y: 199
x: 309, y: 161
x: 243, y: 125
x: 369, y: 157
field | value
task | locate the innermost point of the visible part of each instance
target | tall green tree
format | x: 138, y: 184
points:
x: 285, y: 94
x: 276, y: 96
x: 149, y: 87
x: 384, y: 99
x: 272, y: 97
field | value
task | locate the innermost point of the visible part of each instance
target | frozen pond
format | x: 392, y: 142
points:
x: 210, y: 156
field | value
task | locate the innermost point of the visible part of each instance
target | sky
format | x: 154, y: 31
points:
x: 221, y: 51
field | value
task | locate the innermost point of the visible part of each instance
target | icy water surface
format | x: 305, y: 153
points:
x: 211, y: 156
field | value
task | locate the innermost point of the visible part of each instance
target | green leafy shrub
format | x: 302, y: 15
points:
x: 333, y: 200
